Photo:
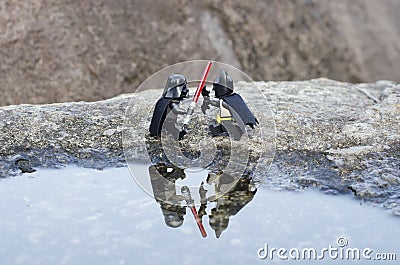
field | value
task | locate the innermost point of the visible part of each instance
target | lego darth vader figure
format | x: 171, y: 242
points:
x: 167, y: 107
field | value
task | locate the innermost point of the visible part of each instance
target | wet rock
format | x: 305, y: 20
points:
x: 24, y: 165
x: 334, y: 136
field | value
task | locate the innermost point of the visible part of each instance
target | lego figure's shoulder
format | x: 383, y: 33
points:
x: 232, y: 96
x: 236, y: 102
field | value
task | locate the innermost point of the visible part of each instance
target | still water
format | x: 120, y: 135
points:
x: 85, y: 216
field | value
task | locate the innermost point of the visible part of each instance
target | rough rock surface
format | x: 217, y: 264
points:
x: 335, y: 136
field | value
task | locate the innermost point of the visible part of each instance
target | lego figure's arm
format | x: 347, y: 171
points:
x: 207, y: 101
x: 214, y: 102
x: 176, y: 109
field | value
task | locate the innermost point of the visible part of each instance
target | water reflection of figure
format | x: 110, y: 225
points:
x: 163, y: 183
x: 229, y: 204
x: 225, y: 203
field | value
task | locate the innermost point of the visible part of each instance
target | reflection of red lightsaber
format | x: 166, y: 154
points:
x: 196, y: 95
x: 188, y: 198
x: 198, y: 221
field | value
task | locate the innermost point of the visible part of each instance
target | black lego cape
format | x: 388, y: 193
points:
x: 236, y: 102
x: 159, y: 114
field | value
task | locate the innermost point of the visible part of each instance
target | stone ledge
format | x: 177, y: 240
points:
x: 339, y: 137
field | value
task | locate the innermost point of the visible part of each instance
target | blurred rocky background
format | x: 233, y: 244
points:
x: 71, y: 50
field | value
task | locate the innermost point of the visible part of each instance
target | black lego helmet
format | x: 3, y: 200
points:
x: 176, y: 87
x: 173, y: 220
x: 223, y: 84
x: 219, y: 220
x: 173, y: 215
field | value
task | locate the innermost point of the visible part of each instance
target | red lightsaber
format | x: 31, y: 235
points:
x: 196, y: 95
x: 201, y: 84
x: 190, y: 202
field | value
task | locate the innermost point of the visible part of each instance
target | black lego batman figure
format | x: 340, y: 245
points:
x: 167, y: 107
x: 231, y: 106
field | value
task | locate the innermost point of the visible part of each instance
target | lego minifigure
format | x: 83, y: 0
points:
x: 232, y: 108
x: 167, y: 108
